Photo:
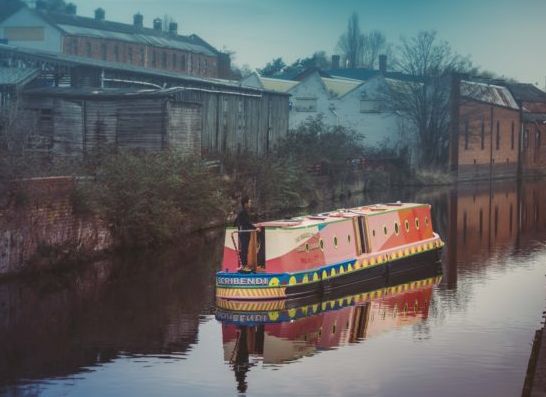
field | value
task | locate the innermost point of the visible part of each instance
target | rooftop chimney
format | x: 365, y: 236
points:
x: 383, y: 63
x: 138, y: 20
x: 100, y: 14
x: 173, y: 28
x: 157, y: 24
x: 335, y: 61
x: 70, y: 9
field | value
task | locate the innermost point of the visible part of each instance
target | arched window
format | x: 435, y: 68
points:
x: 396, y: 228
x: 417, y: 223
x: 406, y: 223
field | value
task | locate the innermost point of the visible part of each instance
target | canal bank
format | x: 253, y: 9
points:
x: 535, y: 381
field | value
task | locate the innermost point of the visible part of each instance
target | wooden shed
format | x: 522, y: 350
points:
x: 76, y: 122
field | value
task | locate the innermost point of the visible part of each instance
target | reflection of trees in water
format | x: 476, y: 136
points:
x: 139, y: 304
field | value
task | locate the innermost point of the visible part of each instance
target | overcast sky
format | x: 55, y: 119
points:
x: 507, y: 37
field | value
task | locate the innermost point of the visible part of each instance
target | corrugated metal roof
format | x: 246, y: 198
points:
x: 340, y: 87
x: 527, y: 92
x: 16, y: 76
x: 156, y: 41
x: 489, y: 93
x: 55, y: 57
x: 277, y: 84
x: 78, y: 25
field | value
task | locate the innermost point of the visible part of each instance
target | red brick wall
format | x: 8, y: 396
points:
x: 533, y: 148
x: 41, y: 214
x: 167, y: 59
x: 534, y: 107
x: 499, y: 148
x: 475, y: 114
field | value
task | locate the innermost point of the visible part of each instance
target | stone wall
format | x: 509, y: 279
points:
x: 38, y: 217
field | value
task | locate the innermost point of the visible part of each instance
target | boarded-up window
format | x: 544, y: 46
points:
x: 368, y: 106
x: 306, y: 104
x: 24, y: 33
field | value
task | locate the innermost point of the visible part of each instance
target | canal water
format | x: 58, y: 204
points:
x: 143, y: 325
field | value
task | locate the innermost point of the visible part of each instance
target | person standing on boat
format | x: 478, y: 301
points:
x: 243, y: 224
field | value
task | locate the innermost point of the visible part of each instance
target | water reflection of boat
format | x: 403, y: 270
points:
x: 323, y: 252
x: 280, y: 331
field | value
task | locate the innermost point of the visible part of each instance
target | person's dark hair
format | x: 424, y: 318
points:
x: 244, y: 201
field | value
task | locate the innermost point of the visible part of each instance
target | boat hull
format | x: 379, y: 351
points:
x: 323, y: 280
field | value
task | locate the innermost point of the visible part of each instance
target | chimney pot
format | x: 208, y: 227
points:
x: 173, y: 28
x: 138, y: 20
x: 383, y: 63
x: 335, y: 61
x: 100, y: 14
x: 157, y: 24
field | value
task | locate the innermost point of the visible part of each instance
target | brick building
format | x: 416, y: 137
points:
x: 485, y: 131
x: 532, y: 102
x: 132, y: 44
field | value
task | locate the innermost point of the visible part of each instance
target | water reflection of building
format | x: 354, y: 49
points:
x: 57, y: 325
x: 491, y: 218
x: 274, y: 332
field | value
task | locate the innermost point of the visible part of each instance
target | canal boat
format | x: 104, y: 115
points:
x: 316, y: 254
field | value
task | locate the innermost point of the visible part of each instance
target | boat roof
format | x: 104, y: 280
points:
x: 338, y: 215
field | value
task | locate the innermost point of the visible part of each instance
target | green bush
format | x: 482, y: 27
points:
x: 148, y: 199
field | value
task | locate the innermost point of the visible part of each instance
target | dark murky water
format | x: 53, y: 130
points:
x: 146, y: 325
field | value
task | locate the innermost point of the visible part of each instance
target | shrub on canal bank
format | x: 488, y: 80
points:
x: 149, y: 199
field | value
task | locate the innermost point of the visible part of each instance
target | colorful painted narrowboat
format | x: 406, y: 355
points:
x: 319, y: 253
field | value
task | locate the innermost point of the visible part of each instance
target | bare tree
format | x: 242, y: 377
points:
x: 424, y: 97
x: 374, y: 43
x: 351, y: 43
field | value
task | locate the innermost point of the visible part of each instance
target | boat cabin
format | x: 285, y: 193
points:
x: 313, y: 241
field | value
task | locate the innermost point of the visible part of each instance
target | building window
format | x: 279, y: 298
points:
x: 104, y: 51
x: 335, y: 242
x: 306, y: 105
x: 396, y: 228
x: 88, y: 49
x: 174, y: 66
x: 512, y: 137
x: 369, y: 106
x: 538, y: 139
x: 385, y: 230
x: 154, y: 59
x: 116, y: 53
x: 406, y: 223
x: 497, y: 142
x: 526, y: 139
x: 417, y: 223
x: 164, y: 60
x: 183, y: 62
x: 142, y: 56
x: 466, y: 135
x: 130, y: 54
x: 483, y: 135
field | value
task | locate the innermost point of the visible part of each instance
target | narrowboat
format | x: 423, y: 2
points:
x: 316, y: 254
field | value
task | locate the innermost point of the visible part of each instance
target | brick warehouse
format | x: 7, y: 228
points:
x: 485, y: 131
x: 98, y: 38
x: 532, y: 103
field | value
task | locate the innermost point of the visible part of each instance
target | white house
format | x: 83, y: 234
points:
x: 350, y: 103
